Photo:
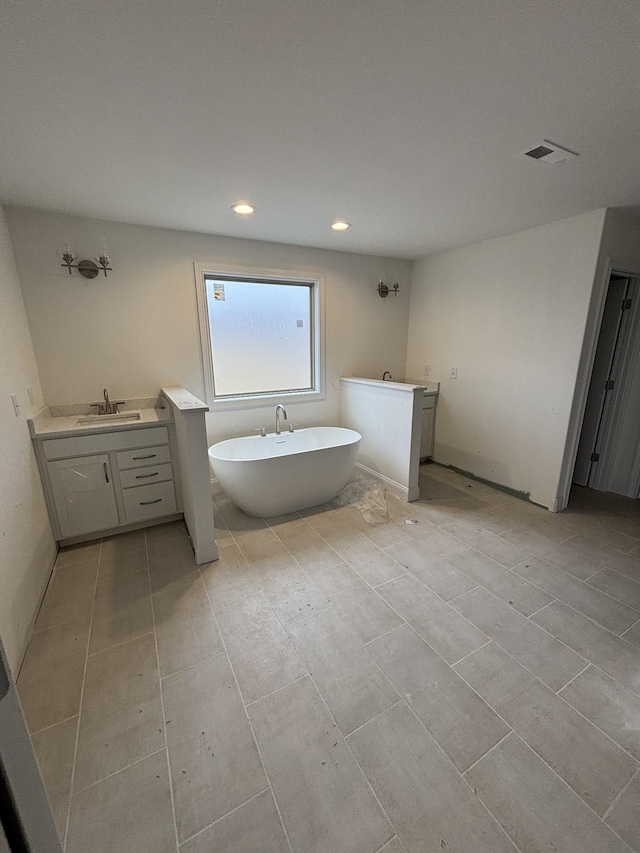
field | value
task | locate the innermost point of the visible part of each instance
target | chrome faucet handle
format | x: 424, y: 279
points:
x: 262, y: 431
x: 99, y: 406
x: 291, y: 427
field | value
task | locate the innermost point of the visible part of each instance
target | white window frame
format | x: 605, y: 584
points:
x: 245, y: 401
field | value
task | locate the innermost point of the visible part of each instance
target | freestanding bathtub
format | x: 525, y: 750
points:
x: 273, y: 474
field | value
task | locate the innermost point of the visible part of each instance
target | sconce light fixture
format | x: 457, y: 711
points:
x: 86, y: 268
x: 385, y: 290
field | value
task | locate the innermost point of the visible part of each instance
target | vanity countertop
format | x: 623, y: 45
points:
x: 428, y: 388
x: 46, y: 425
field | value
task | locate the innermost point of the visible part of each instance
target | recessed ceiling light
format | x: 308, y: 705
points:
x: 340, y: 225
x: 243, y: 208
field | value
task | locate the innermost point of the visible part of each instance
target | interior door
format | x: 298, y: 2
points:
x: 604, y: 380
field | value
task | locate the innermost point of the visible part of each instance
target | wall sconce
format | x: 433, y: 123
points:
x: 86, y: 268
x: 384, y: 290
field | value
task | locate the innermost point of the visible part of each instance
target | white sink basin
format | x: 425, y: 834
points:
x: 121, y: 417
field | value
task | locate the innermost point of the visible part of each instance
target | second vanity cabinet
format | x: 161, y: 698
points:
x: 108, y: 480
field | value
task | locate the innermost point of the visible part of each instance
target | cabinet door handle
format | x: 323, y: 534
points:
x: 106, y: 472
x: 144, y: 476
x: 146, y: 503
x: 150, y: 456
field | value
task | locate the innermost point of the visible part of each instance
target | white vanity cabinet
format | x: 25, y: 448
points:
x: 109, y: 480
x: 427, y: 426
x: 83, y: 494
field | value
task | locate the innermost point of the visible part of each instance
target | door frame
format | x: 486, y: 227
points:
x: 611, y: 434
x: 583, y: 380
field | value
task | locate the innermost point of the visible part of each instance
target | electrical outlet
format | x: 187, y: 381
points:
x: 453, y: 373
x: 427, y: 370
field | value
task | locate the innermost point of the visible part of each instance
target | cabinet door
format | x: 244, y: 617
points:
x: 83, y: 494
x: 427, y: 433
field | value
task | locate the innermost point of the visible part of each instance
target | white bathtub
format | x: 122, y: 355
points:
x: 267, y: 476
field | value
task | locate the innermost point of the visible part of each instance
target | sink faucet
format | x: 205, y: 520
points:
x: 385, y: 374
x: 108, y: 408
x: 280, y: 408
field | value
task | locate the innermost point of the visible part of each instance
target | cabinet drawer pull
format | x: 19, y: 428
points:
x: 150, y: 456
x: 106, y: 473
x: 144, y: 476
x: 146, y: 503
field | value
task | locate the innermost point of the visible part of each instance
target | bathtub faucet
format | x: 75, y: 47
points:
x: 280, y: 408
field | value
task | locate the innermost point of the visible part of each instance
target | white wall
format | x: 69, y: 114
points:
x: 27, y: 547
x: 137, y: 329
x: 510, y: 314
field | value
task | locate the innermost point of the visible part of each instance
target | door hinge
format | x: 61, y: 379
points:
x: 609, y: 385
x: 626, y: 303
x: 595, y: 457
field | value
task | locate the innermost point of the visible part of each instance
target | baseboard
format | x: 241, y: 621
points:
x: 398, y: 490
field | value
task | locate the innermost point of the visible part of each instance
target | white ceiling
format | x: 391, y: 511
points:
x: 406, y: 117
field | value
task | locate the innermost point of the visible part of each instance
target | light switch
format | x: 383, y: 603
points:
x: 427, y: 370
x: 16, y: 404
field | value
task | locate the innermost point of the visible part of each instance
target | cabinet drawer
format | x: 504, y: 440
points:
x: 146, y: 476
x: 101, y: 442
x: 149, y: 501
x: 143, y: 456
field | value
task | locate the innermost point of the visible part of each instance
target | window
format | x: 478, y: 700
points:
x: 259, y: 335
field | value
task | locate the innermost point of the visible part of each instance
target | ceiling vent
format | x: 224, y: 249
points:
x: 549, y: 152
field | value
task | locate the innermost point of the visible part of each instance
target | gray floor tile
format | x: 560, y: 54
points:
x: 253, y: 828
x: 380, y: 534
x: 260, y: 544
x: 69, y: 595
x: 493, y: 546
x: 446, y: 631
x: 617, y: 657
x: 50, y: 681
x: 625, y: 564
x: 319, y: 788
x: 586, y: 759
x: 122, y: 610
x: 361, y: 607
x: 609, y: 705
x: 460, y: 721
x: 534, y: 806
x: 623, y: 588
x: 371, y: 563
x: 164, y: 532
x: 170, y: 561
x: 426, y: 540
x: 502, y: 582
x: 614, y: 615
x: 55, y: 750
x: 551, y: 661
x: 557, y: 554
x: 229, y: 579
x: 308, y: 547
x: 116, y: 559
x: 633, y: 634
x: 291, y: 591
x: 130, y: 811
x: 349, y: 682
x: 186, y: 629
x: 624, y: 817
x: 86, y: 552
x: 260, y: 650
x: 121, y: 720
x: 215, y: 765
x: 428, y: 802
x: 437, y: 573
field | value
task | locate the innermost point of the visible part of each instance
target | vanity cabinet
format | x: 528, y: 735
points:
x: 427, y: 426
x: 83, y: 494
x: 109, y: 480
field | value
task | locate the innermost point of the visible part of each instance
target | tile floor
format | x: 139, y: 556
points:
x: 467, y: 683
